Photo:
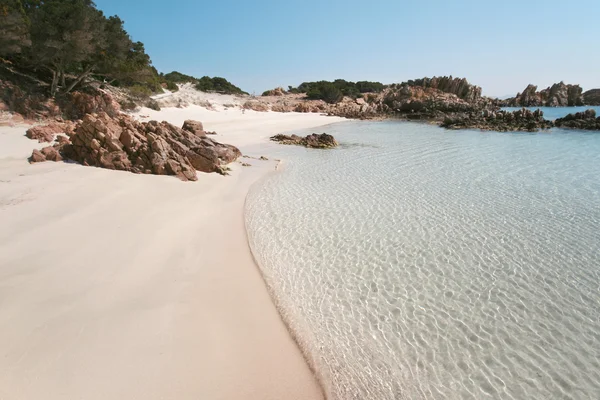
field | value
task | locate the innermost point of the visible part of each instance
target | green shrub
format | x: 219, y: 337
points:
x: 140, y: 92
x: 172, y: 86
x: 325, y: 91
x: 217, y: 84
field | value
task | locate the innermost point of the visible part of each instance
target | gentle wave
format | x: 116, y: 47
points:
x: 414, y: 262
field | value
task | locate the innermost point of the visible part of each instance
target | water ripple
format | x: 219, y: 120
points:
x: 418, y: 263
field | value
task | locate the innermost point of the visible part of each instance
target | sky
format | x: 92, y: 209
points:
x: 260, y: 44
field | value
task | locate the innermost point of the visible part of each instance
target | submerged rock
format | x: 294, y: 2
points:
x: 159, y: 148
x: 315, y: 141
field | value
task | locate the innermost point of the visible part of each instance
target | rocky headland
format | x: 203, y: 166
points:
x: 592, y: 97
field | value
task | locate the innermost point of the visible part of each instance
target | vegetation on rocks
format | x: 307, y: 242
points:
x: 205, y: 84
x: 333, y: 92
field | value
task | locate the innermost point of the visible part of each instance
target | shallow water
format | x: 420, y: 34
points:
x: 552, y: 113
x: 418, y: 263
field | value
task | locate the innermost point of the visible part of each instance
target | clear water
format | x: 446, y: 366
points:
x: 418, y: 263
x: 552, y: 113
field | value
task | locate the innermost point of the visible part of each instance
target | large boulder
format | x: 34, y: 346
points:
x: 122, y: 143
x: 194, y: 127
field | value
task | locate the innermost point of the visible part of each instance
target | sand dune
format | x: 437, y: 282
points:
x: 123, y: 286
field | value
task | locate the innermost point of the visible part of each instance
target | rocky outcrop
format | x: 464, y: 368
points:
x: 36, y: 105
x: 47, y: 133
x: 315, y: 141
x: 122, y: 143
x: 447, y: 84
x: 256, y: 105
x: 275, y: 92
x: 586, y: 120
x: 592, y: 97
x: 77, y: 104
x: 557, y: 95
x: 502, y: 121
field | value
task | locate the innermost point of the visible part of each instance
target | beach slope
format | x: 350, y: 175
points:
x: 123, y: 286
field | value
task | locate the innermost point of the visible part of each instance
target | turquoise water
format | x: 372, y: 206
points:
x: 552, y: 113
x: 414, y: 262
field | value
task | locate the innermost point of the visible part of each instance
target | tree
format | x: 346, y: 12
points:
x: 14, y: 28
x: 66, y: 35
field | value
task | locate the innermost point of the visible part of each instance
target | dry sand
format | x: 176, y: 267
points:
x: 123, y: 286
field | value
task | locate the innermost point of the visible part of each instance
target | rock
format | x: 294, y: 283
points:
x: 122, y: 143
x: 557, y: 95
x: 51, y: 154
x: 447, y: 84
x: 246, y: 165
x: 275, y: 92
x: 322, y: 141
x: 194, y: 127
x: 256, y: 106
x: 37, y: 156
x: 586, y: 120
x: 153, y: 105
x: 592, y: 97
x: 77, y: 104
x: 263, y: 158
x: 502, y: 121
x: 46, y: 133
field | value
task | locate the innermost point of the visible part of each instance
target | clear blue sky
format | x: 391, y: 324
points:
x: 260, y: 44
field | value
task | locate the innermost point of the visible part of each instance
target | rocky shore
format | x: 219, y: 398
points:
x: 501, y: 121
x: 585, y: 120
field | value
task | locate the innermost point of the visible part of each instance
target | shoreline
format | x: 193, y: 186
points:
x: 118, y: 285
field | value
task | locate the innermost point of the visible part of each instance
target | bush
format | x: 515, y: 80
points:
x: 325, y: 91
x: 172, y: 86
x: 217, y: 84
x: 349, y: 89
x: 140, y: 92
x: 178, y: 77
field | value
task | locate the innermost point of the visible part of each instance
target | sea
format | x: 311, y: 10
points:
x: 414, y: 262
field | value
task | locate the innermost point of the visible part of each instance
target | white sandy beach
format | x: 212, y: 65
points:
x: 122, y: 286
